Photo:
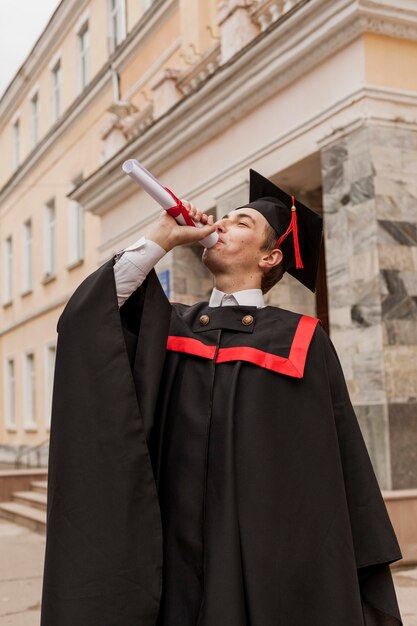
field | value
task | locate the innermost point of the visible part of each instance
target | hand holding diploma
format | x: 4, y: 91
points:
x: 174, y: 207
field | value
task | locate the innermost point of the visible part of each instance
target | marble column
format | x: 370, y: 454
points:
x: 370, y: 214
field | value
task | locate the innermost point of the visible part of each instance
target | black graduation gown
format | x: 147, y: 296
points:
x: 207, y: 474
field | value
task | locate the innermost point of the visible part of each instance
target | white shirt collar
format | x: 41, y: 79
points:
x: 245, y: 297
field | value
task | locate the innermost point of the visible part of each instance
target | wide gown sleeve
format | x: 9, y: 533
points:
x: 374, y: 538
x: 103, y: 559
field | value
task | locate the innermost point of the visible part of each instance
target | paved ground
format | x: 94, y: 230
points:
x: 21, y: 566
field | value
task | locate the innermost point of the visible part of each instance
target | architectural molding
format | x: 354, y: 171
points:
x: 99, y: 82
x: 34, y: 315
x: 265, y: 67
x: 59, y: 24
x: 352, y: 106
x: 284, y: 51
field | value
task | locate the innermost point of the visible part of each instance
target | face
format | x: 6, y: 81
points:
x: 241, y: 238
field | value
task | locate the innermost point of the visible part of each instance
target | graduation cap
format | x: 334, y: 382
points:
x: 298, y: 228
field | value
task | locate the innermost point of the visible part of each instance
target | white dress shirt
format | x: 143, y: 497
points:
x: 134, y: 263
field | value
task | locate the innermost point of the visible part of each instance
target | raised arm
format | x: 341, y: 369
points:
x: 134, y: 263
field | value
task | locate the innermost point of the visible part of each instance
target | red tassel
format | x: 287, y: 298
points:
x: 298, y: 261
x: 293, y: 226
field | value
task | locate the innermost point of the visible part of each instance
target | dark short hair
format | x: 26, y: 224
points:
x: 274, y: 275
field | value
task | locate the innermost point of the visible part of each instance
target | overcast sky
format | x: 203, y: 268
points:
x: 21, y: 23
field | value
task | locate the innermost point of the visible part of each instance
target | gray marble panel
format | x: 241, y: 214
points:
x: 373, y: 423
x: 364, y: 315
x: 366, y: 294
x: 403, y: 440
x: 358, y: 142
x: 394, y: 283
x: 397, y: 304
x: 359, y: 166
x: 362, y: 190
x: 369, y: 375
x: 397, y: 307
x: 396, y: 200
x: 409, y: 161
x: 409, y: 278
x: 400, y: 332
x: 403, y: 233
x: 333, y: 156
x: 189, y: 276
x: 393, y: 136
x: 362, y: 227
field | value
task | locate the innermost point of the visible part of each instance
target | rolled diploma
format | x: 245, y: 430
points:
x: 157, y: 191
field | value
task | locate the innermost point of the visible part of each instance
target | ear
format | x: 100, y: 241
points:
x: 270, y: 259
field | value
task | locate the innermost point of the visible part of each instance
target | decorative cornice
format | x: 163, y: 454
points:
x: 99, y: 82
x: 286, y: 50
x: 375, y: 94
x: 266, y: 65
x: 104, y: 194
x: 191, y: 79
x: 62, y: 21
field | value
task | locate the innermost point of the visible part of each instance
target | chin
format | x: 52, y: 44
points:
x: 210, y: 259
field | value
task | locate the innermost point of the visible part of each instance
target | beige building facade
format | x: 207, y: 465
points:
x: 318, y: 95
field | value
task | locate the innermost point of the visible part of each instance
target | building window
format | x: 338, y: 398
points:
x: 49, y: 379
x: 8, y: 271
x: 10, y: 394
x: 16, y: 143
x: 76, y: 233
x: 49, y: 239
x: 56, y: 90
x: 117, y: 23
x: 27, y: 257
x: 84, y: 56
x: 29, y: 392
x: 34, y: 116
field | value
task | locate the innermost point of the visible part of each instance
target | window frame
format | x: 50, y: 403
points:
x: 8, y: 270
x: 10, y: 395
x: 49, y: 244
x: 16, y: 145
x: 56, y: 94
x: 83, y: 53
x: 116, y: 38
x: 34, y: 118
x: 49, y: 381
x: 29, y: 391
x: 27, y: 257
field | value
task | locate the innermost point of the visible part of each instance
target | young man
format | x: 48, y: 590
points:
x: 206, y: 464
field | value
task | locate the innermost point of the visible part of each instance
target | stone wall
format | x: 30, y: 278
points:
x: 370, y: 210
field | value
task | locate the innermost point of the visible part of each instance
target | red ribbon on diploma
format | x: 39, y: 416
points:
x: 179, y: 209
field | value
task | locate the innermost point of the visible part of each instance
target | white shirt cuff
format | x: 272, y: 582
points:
x: 134, y: 264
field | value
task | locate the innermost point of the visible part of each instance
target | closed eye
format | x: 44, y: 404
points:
x: 243, y: 224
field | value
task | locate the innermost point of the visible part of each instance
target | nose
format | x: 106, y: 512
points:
x: 220, y: 226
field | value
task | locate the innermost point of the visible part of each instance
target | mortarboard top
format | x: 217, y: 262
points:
x: 301, y: 250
